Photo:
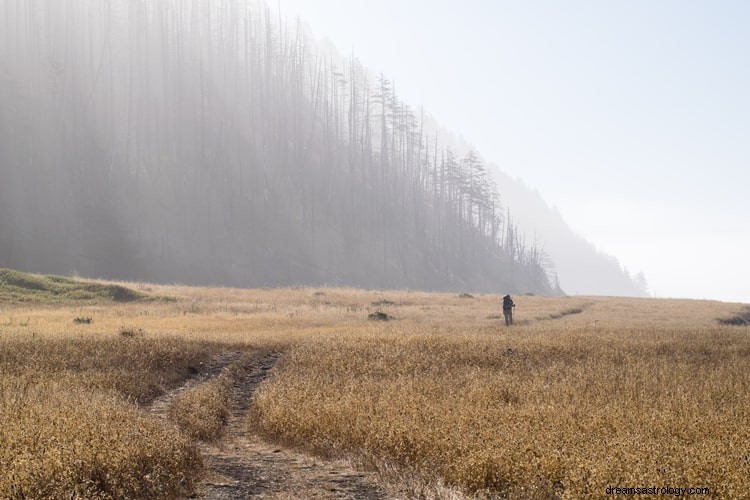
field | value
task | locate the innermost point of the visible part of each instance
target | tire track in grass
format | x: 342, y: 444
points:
x: 160, y: 406
x: 241, y: 466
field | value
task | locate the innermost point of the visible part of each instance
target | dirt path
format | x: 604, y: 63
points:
x: 160, y: 405
x: 243, y: 466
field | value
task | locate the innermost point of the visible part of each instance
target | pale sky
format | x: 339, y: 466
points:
x: 631, y: 117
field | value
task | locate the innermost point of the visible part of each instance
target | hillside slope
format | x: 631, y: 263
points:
x: 202, y: 143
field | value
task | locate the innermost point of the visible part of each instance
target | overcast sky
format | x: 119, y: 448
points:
x: 631, y: 117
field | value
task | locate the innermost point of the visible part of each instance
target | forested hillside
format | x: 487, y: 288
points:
x: 205, y: 142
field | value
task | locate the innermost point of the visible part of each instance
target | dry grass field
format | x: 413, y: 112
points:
x: 582, y: 394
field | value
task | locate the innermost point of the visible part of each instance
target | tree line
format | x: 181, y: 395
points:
x: 210, y: 142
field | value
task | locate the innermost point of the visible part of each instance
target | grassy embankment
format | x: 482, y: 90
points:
x: 582, y: 394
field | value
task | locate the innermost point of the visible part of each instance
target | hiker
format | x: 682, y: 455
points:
x: 508, y: 306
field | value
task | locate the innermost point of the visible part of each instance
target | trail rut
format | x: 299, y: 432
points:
x: 241, y: 465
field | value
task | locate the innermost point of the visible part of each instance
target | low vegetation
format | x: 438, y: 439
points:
x: 580, y: 395
x: 202, y: 411
x: 62, y: 441
x: 378, y: 316
x: 550, y: 412
x: 70, y: 421
x: 614, y: 392
x: 136, y: 369
x: 24, y: 287
x: 741, y: 319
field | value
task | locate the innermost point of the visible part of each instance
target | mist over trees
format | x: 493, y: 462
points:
x: 207, y: 142
x: 579, y: 265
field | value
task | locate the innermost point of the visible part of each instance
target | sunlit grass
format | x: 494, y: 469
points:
x: 545, y: 409
x: 582, y: 393
x: 62, y: 441
x: 622, y: 392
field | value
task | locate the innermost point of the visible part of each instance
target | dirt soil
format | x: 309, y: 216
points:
x: 241, y: 465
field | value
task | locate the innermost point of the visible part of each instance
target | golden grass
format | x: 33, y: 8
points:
x: 202, y: 411
x: 135, y: 368
x: 623, y: 393
x: 70, y: 424
x: 70, y: 421
x: 63, y: 442
x: 583, y: 393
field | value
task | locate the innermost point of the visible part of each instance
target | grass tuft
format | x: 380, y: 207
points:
x: 378, y: 316
x: 130, y: 332
x: 202, y: 411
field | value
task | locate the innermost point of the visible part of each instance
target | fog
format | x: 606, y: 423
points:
x: 214, y: 143
x: 630, y: 118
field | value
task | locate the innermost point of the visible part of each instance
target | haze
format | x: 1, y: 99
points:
x: 435, y: 145
x: 632, y: 118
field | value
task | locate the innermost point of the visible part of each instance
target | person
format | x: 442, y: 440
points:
x: 508, y: 306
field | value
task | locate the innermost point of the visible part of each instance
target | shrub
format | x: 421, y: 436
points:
x: 378, y: 316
